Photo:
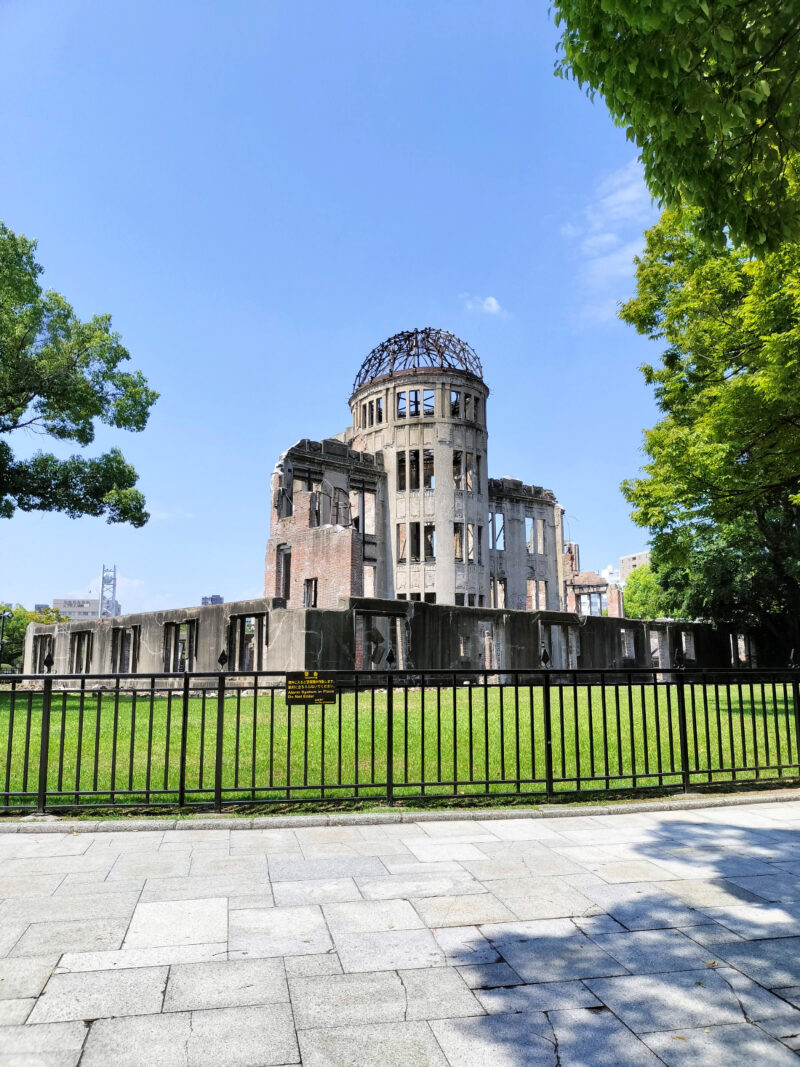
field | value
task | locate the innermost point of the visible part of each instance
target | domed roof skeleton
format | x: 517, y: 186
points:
x: 414, y: 349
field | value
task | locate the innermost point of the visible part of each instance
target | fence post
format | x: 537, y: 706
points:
x: 220, y: 738
x: 796, y: 702
x: 390, y: 740
x: 44, y: 745
x: 548, y: 739
x: 683, y: 735
x: 184, y: 729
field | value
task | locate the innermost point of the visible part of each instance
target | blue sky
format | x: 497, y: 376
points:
x: 261, y: 192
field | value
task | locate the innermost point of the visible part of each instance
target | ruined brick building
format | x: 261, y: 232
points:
x: 401, y: 506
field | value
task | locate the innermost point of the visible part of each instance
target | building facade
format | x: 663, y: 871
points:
x: 401, y: 506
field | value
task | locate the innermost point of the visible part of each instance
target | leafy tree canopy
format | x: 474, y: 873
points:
x: 645, y: 598
x: 58, y: 376
x: 709, y: 90
x: 721, y: 488
x: 15, y: 627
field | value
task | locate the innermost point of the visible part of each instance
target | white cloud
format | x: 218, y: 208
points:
x: 486, y: 305
x: 608, y: 234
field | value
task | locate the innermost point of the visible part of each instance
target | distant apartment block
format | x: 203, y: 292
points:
x: 215, y: 598
x: 628, y: 564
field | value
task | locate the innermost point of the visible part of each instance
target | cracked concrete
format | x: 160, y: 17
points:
x: 581, y: 960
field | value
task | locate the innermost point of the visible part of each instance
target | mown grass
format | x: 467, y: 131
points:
x: 123, y: 748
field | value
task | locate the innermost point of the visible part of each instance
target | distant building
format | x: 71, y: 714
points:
x: 628, y: 564
x: 82, y: 608
x: 41, y: 607
x: 215, y: 598
x: 611, y: 575
x: 587, y: 592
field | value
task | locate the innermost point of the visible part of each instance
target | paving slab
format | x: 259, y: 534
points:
x: 78, y: 935
x: 293, y: 931
x: 225, y: 984
x: 181, y: 922
x: 653, y: 951
x: 590, y: 1038
x: 436, y: 993
x: 142, y: 957
x: 369, y: 916
x: 731, y: 1043
x: 551, y: 947
x: 500, y: 1040
x: 25, y: 977
x: 465, y: 945
x: 49, y: 1045
x: 489, y: 976
x: 348, y: 999
x: 546, y: 996
x: 403, y: 1044
x: 772, y: 962
x: 15, y: 1011
x: 389, y: 950
x: 317, y: 891
x: 101, y: 994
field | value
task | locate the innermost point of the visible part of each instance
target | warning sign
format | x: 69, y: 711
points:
x: 310, y: 687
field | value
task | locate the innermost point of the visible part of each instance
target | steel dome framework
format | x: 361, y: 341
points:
x: 415, y: 349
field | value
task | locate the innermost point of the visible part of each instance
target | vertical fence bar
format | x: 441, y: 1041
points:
x: 796, y: 703
x: 683, y: 737
x: 219, y: 746
x: 389, y: 739
x: 44, y: 749
x: 548, y: 739
x: 184, y: 731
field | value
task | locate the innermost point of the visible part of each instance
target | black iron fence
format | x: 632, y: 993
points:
x: 230, y: 739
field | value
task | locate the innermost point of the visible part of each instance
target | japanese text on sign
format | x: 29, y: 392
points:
x: 310, y: 687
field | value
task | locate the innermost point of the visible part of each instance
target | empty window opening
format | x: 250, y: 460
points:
x: 369, y: 512
x: 369, y: 581
x: 470, y: 600
x: 283, y: 570
x: 427, y: 402
x: 414, y: 542
x: 80, y: 651
x: 458, y: 474
x: 371, y: 413
x: 180, y: 645
x: 401, y: 542
x: 470, y: 542
x: 626, y: 641
x: 460, y: 604
x: 401, y: 405
x: 401, y: 472
x: 428, y: 479
x: 413, y: 403
x: 309, y: 592
x: 687, y: 643
x: 430, y: 598
x: 480, y: 544
x: 529, y: 534
x: 125, y: 649
x: 498, y: 591
x: 247, y: 636
x: 477, y: 473
x: 402, y: 596
x: 455, y: 404
x: 340, y: 507
x: 42, y: 648
x: 476, y: 402
x: 497, y: 532
x: 458, y: 541
x: 413, y: 469
x: 469, y: 472
x: 467, y: 406
x: 415, y: 596
x: 363, y: 415
x: 430, y: 541
x: 541, y: 595
x: 379, y: 410
x: 530, y: 594
x: 540, y: 536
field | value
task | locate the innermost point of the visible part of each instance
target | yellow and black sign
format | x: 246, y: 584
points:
x: 310, y: 687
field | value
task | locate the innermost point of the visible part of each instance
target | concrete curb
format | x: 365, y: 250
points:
x: 55, y: 824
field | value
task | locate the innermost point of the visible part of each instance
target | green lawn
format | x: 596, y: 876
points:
x: 124, y: 748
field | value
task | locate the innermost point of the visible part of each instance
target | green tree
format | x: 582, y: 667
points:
x: 721, y: 489
x: 709, y: 90
x: 59, y: 376
x: 15, y: 627
x: 645, y: 598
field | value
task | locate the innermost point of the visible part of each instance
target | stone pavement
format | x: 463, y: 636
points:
x: 636, y: 938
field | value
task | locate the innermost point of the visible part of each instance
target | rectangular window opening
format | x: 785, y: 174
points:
x: 469, y: 472
x: 430, y: 598
x: 455, y: 404
x: 309, y: 592
x: 470, y: 542
x: 458, y: 475
x: 283, y: 583
x: 467, y: 406
x: 401, y: 542
x: 427, y: 402
x: 458, y: 541
x: 430, y: 541
x: 414, y: 541
x: 401, y: 405
x: 529, y: 535
x: 413, y: 403
x: 428, y: 479
x: 413, y: 469
x: 401, y: 472
x: 379, y: 410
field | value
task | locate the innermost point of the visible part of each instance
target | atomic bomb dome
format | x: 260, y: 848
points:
x: 414, y: 350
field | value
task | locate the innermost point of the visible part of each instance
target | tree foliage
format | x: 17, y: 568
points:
x: 709, y: 90
x: 15, y: 627
x: 721, y: 488
x: 645, y: 598
x: 59, y: 376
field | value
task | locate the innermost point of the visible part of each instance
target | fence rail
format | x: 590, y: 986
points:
x: 229, y: 739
